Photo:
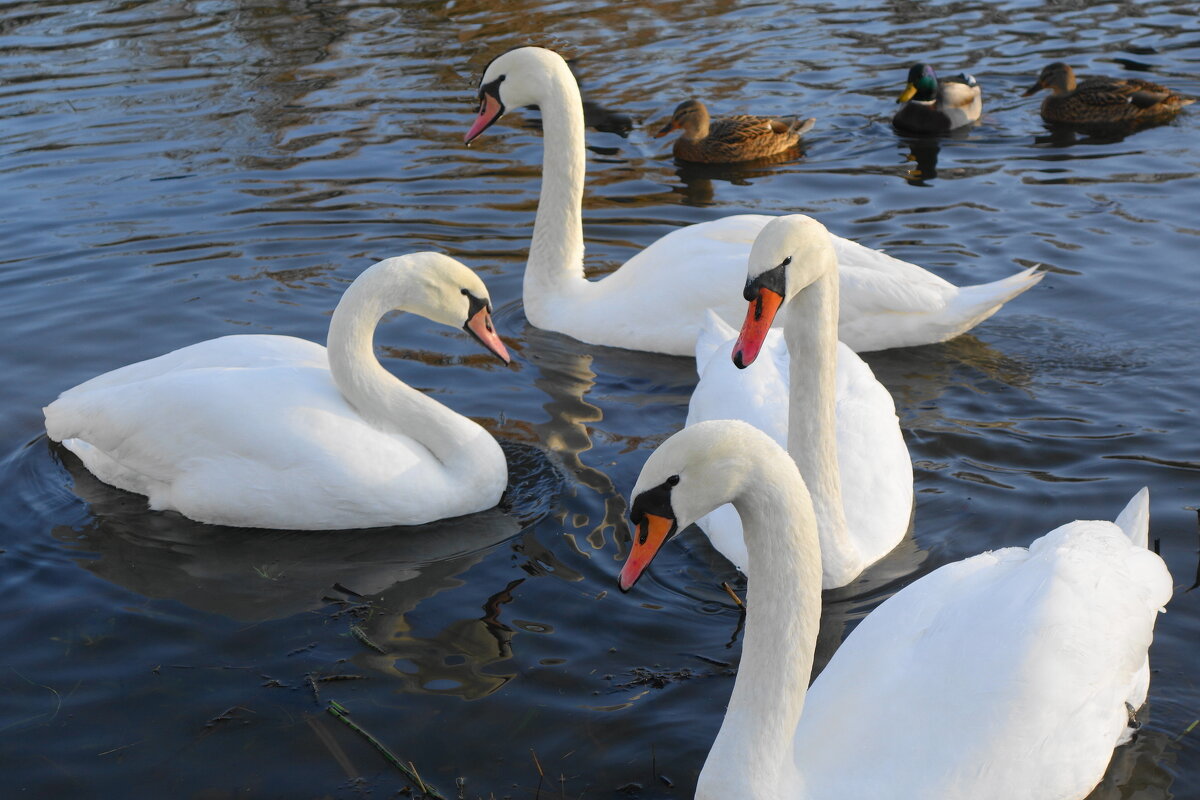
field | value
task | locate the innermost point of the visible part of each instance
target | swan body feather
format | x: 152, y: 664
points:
x: 657, y: 299
x: 255, y: 430
x: 1003, y: 675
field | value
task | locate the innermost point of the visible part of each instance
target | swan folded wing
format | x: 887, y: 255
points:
x: 1017, y: 662
x: 757, y: 394
x: 656, y: 300
x: 876, y: 469
x: 239, y: 350
x: 274, y: 447
x: 874, y: 282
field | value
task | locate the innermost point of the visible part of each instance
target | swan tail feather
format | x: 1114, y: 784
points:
x: 986, y: 298
x: 1135, y: 519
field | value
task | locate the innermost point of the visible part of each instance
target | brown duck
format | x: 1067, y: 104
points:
x: 730, y: 139
x: 1102, y: 100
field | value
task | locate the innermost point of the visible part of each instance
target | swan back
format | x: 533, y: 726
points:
x: 1003, y: 675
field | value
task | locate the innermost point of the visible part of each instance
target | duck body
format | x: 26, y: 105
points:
x: 728, y: 140
x: 1103, y: 100
x: 656, y: 301
x: 937, y: 106
x: 1007, y: 674
x: 260, y: 430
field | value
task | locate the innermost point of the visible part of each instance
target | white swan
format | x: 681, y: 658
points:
x: 278, y: 432
x: 838, y: 422
x: 1003, y: 675
x: 656, y: 300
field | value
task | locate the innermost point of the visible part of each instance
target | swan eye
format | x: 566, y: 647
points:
x: 672, y: 481
x: 464, y: 292
x: 786, y: 261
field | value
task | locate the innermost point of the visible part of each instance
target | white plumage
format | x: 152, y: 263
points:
x: 657, y: 299
x: 873, y: 487
x: 1008, y: 674
x: 277, y: 432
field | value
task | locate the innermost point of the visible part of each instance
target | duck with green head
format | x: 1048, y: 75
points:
x: 933, y: 106
x: 1101, y: 100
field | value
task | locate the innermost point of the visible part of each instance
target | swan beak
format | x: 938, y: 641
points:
x: 652, y: 531
x: 480, y: 326
x: 490, y: 110
x: 670, y: 126
x: 759, y: 317
x: 907, y: 94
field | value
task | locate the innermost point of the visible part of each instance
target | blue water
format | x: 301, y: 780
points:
x: 178, y: 171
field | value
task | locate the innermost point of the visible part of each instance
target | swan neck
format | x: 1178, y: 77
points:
x: 752, y: 756
x: 382, y: 400
x: 556, y: 254
x: 810, y: 329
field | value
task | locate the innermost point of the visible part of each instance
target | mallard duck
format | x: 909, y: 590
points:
x: 932, y: 106
x: 1102, y: 100
x: 726, y: 140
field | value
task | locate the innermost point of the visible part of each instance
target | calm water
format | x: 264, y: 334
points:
x: 174, y: 171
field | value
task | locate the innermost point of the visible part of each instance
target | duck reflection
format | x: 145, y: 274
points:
x: 254, y: 575
x: 1063, y: 135
x: 697, y: 178
x: 923, y: 157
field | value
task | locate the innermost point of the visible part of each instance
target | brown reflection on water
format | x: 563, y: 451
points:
x: 455, y: 660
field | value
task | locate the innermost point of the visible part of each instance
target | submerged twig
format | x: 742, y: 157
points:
x: 729, y: 591
x: 361, y: 635
x: 409, y: 771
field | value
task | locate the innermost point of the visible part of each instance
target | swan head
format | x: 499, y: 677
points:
x: 691, y: 116
x: 701, y: 467
x: 789, y: 254
x: 445, y: 290
x: 922, y: 84
x: 1057, y: 77
x: 519, y: 77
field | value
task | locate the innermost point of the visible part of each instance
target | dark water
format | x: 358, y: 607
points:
x: 174, y: 171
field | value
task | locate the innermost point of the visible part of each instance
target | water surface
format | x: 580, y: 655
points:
x: 175, y: 171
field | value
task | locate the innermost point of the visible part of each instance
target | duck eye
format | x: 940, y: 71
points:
x: 673, y: 480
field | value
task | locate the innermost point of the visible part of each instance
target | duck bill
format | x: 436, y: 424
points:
x: 759, y: 317
x: 652, y: 531
x: 490, y: 110
x: 1032, y: 89
x: 480, y: 326
x: 665, y: 129
x: 907, y: 94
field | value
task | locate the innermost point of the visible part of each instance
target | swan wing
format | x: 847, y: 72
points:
x: 1002, y: 675
x: 259, y: 446
x: 657, y: 299
x: 876, y: 471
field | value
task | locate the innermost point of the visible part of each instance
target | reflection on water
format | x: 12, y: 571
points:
x: 697, y: 178
x: 254, y: 575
